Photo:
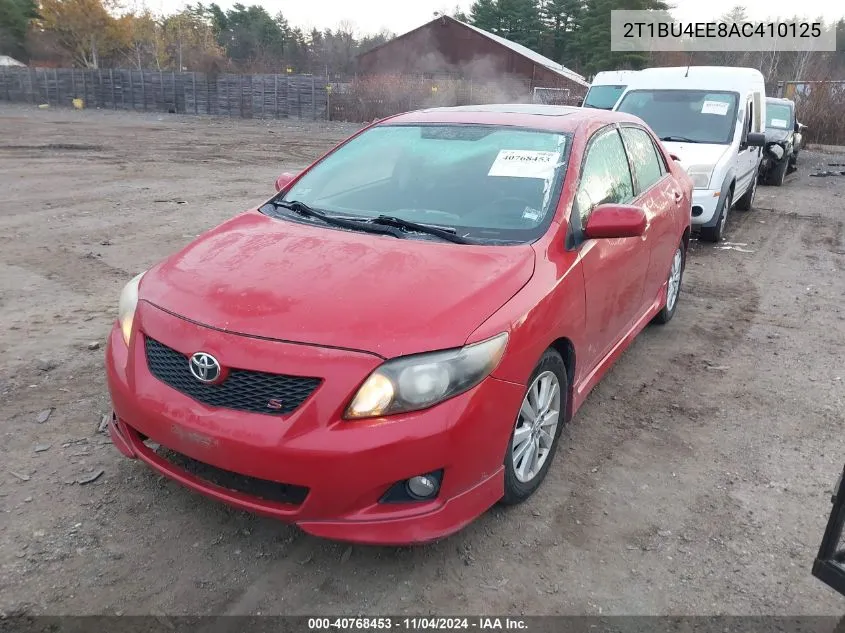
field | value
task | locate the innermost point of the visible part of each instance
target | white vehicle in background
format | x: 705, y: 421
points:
x: 713, y: 120
x: 606, y: 89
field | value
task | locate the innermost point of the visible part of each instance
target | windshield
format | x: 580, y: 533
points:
x: 603, y: 97
x: 693, y: 116
x: 484, y: 182
x: 778, y: 116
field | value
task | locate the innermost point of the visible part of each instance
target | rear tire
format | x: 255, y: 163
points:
x: 747, y: 199
x: 521, y: 481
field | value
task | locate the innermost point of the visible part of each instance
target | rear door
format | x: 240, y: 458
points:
x: 614, y: 269
x: 662, y: 199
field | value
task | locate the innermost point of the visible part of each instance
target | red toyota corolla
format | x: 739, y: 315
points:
x: 393, y: 343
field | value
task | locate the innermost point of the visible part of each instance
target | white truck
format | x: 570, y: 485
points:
x: 713, y: 120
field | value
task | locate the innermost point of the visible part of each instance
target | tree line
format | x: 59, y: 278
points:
x: 576, y: 33
x: 103, y: 34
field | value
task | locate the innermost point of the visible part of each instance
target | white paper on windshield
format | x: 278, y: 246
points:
x: 521, y: 163
x: 778, y: 123
x: 530, y: 214
x: 715, y: 107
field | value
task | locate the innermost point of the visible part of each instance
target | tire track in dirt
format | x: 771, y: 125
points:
x: 84, y: 273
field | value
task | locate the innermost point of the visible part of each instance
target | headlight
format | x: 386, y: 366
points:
x: 126, y: 306
x: 775, y: 150
x: 700, y: 175
x: 420, y: 381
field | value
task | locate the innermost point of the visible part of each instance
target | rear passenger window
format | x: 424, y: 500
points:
x: 605, y: 177
x: 643, y: 156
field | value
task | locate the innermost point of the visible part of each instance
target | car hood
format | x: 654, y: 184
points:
x: 774, y: 135
x: 696, y: 153
x: 291, y: 281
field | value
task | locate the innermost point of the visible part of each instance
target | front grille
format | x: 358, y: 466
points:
x: 252, y: 486
x: 242, y: 389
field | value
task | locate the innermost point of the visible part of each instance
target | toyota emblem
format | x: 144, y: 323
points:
x: 204, y: 367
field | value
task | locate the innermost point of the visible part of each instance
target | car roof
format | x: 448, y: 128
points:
x: 531, y: 115
x: 696, y: 78
x: 788, y: 102
x: 612, y: 77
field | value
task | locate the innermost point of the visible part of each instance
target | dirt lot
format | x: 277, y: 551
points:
x: 695, y: 480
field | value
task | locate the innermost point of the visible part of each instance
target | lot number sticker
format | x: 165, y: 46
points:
x: 715, y: 107
x: 779, y: 123
x: 520, y: 163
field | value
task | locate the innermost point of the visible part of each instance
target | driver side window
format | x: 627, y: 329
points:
x: 605, y: 176
x: 749, y: 123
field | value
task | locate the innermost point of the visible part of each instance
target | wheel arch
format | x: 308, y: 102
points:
x: 728, y: 185
x: 566, y: 348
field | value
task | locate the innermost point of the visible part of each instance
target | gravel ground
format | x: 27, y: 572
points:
x: 695, y: 480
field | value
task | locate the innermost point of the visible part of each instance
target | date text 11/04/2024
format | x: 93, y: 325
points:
x: 721, y: 29
x: 417, y: 624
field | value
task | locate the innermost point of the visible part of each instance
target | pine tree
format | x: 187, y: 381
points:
x: 520, y: 22
x: 562, y: 24
x: 485, y: 15
x: 595, y: 35
x: 14, y: 21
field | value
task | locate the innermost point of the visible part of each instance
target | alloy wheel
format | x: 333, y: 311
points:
x: 674, y: 280
x: 536, y: 426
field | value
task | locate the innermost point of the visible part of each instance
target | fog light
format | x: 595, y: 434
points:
x: 422, y: 487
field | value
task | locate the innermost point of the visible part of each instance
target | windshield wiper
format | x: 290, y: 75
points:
x: 303, y: 209
x: 443, y: 233
x: 679, y: 139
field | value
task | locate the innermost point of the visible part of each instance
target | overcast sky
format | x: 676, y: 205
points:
x: 369, y: 16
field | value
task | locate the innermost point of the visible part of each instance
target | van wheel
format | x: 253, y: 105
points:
x: 535, y: 435
x: 715, y: 233
x: 745, y: 202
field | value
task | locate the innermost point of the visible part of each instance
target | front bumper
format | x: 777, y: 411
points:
x: 705, y: 206
x: 346, y: 466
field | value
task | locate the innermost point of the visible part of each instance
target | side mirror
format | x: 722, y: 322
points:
x: 284, y: 180
x: 755, y: 139
x: 614, y: 221
x: 797, y: 127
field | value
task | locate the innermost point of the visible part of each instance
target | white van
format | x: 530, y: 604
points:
x: 606, y: 89
x: 713, y: 120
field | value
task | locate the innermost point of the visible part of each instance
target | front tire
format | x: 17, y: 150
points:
x: 673, y: 290
x: 716, y: 233
x: 537, y: 429
x: 777, y: 173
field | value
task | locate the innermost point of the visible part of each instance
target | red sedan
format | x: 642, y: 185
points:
x: 393, y: 343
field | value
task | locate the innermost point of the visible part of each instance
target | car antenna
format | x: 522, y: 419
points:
x: 689, y: 62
